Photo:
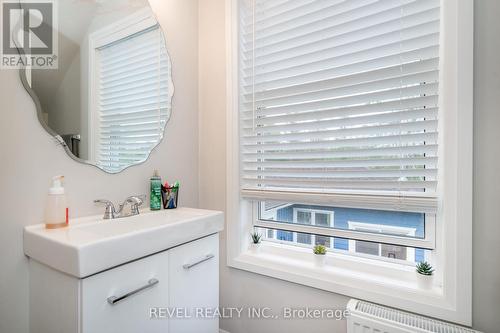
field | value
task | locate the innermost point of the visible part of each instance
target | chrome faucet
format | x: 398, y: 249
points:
x: 111, y: 213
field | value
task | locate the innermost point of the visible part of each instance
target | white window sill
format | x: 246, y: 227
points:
x: 372, y: 280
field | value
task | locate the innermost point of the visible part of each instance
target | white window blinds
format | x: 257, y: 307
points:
x: 134, y: 92
x: 340, y: 98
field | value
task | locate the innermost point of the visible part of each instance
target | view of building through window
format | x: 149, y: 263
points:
x: 364, y: 220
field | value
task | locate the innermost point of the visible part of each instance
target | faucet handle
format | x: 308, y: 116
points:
x: 109, y: 213
x: 135, y: 201
x: 138, y: 199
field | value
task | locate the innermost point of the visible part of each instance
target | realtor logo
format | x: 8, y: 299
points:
x: 29, y: 34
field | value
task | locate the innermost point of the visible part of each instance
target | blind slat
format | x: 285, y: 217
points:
x: 135, y: 112
x: 358, y: 175
x: 375, y: 162
x: 344, y: 153
x: 393, y: 129
x: 308, y: 144
x: 352, y: 184
x: 368, y: 121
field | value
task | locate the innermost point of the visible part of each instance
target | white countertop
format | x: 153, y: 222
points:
x: 90, y: 244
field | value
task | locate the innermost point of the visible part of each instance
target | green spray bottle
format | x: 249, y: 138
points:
x: 155, y: 192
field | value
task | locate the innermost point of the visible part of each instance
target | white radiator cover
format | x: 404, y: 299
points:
x: 372, y: 318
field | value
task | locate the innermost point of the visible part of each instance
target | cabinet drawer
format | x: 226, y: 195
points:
x: 119, y: 300
x: 194, y: 284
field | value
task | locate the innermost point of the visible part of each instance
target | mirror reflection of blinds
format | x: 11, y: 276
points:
x: 340, y: 98
x: 133, y: 98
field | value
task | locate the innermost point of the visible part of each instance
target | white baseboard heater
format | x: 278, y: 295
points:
x: 366, y: 317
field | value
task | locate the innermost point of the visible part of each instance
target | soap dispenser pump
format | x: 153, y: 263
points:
x: 56, y: 211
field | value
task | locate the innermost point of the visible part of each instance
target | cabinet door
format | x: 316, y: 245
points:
x: 120, y: 300
x: 194, y: 285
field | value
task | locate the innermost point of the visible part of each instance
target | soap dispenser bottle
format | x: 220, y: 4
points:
x: 56, y: 211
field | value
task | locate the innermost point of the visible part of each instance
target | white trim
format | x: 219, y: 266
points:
x: 368, y: 279
x: 455, y: 256
x: 347, y: 253
x: 454, y: 303
x: 136, y: 22
x: 222, y: 331
x: 236, y: 221
x: 92, y: 102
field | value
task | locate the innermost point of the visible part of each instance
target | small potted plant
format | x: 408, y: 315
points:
x: 425, y: 275
x: 255, y: 245
x: 319, y: 255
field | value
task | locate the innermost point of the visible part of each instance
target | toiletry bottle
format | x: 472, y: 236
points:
x: 155, y: 193
x: 56, y: 211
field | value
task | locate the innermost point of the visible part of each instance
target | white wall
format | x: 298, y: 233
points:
x: 29, y: 158
x: 239, y: 288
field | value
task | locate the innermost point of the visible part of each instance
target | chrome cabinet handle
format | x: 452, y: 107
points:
x: 115, y: 299
x: 205, y: 258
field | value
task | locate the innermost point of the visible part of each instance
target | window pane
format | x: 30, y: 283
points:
x: 367, y: 220
x: 367, y: 248
x: 393, y: 251
x: 322, y: 219
x: 270, y: 233
x: 323, y: 240
x: 285, y: 235
x: 304, y: 238
x: 304, y: 217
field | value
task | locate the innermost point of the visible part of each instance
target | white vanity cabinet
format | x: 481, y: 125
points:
x: 177, y: 282
x: 119, y: 300
x: 194, y: 281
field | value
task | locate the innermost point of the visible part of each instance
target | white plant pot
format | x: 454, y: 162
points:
x: 319, y: 260
x: 255, y: 248
x: 425, y: 281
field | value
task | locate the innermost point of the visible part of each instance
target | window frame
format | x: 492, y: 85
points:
x: 378, y: 281
x: 428, y: 242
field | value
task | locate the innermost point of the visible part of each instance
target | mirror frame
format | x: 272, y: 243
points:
x: 59, y: 140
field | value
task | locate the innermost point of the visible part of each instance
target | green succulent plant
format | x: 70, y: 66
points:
x: 319, y: 249
x: 424, y: 268
x: 256, y: 237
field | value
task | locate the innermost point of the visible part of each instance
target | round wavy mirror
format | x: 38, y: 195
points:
x: 109, y: 98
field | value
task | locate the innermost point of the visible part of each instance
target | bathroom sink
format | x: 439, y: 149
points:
x: 91, y: 245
